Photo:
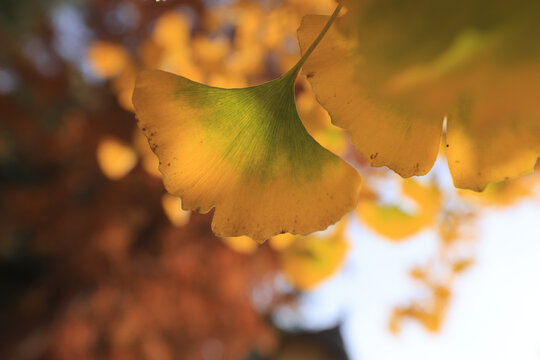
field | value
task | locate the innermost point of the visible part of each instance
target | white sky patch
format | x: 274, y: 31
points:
x: 494, y: 314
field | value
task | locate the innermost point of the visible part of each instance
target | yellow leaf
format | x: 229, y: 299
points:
x: 391, y: 71
x: 172, y: 34
x: 462, y: 265
x: 395, y: 223
x: 115, y: 158
x: 282, y: 241
x: 501, y: 193
x: 496, y: 135
x: 241, y: 244
x: 310, y: 260
x: 172, y: 206
x: 244, y: 152
x: 211, y: 51
x: 430, y: 313
x: 106, y: 59
x: 123, y: 86
x: 382, y: 134
x: 172, y: 31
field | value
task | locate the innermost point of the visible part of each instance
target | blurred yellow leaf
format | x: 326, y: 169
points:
x: 395, y: 223
x: 462, y: 265
x: 172, y: 31
x: 391, y: 71
x: 430, y: 313
x: 150, y: 53
x: 455, y: 226
x: 123, y: 85
x: 501, y: 193
x: 115, y: 158
x: 282, y: 241
x: 172, y: 34
x: 112, y: 61
x: 172, y: 206
x: 310, y: 260
x: 418, y: 274
x: 241, y: 244
x: 107, y: 59
x: 211, y: 51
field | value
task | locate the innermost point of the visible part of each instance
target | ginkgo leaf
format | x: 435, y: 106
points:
x: 385, y: 135
x: 244, y: 152
x: 391, y: 71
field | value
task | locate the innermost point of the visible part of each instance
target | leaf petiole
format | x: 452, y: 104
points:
x: 321, y: 35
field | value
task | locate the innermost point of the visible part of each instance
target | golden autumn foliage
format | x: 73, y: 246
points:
x: 394, y: 222
x: 307, y: 261
x: 115, y: 158
x: 412, y: 138
x: 391, y: 84
x: 279, y: 124
x: 237, y: 62
x: 108, y: 60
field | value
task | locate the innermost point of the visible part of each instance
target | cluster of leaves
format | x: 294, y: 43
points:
x: 245, y: 151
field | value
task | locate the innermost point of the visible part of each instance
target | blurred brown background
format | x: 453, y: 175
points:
x: 91, y: 267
